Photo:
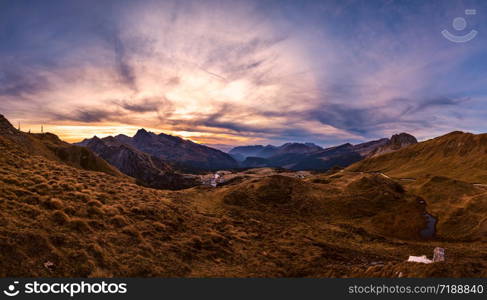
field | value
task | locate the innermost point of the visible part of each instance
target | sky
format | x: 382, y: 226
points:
x: 244, y: 72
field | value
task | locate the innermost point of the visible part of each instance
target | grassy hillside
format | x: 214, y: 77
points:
x: 57, y: 220
x: 51, y: 147
x: 459, y: 206
x: 456, y: 155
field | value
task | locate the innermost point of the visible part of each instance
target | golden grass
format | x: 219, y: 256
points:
x: 456, y: 155
x: 90, y: 224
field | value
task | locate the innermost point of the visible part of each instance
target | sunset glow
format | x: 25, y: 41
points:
x: 239, y: 72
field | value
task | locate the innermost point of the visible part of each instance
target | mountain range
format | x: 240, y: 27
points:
x: 242, y: 152
x: 163, y: 161
x: 182, y: 154
x: 308, y: 156
x: 156, y: 160
x: 149, y: 170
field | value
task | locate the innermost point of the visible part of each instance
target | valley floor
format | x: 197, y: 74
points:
x: 267, y: 243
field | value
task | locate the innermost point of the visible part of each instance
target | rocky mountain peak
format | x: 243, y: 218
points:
x: 396, y: 142
x: 403, y: 139
x: 141, y: 131
x: 342, y: 146
x: 142, y: 134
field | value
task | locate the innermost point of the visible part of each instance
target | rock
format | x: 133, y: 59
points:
x: 402, y: 140
x: 49, y: 265
x: 439, y: 254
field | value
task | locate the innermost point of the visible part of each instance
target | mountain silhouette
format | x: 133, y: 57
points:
x: 149, y: 171
x: 308, y: 156
x: 180, y: 153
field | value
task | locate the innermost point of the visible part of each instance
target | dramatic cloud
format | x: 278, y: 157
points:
x: 237, y: 72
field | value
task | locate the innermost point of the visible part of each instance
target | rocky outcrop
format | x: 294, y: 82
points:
x: 396, y: 142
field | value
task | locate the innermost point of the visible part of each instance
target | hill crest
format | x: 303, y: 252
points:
x: 458, y: 155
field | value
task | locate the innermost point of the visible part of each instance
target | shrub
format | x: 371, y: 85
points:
x: 54, y: 203
x: 96, y: 224
x: 38, y: 179
x: 60, y: 217
x: 119, y: 221
x: 80, y: 196
x: 133, y: 232
x: 79, y: 225
x: 94, y: 211
x: 94, y: 203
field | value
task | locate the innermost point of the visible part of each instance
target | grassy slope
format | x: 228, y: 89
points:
x: 51, y: 147
x: 333, y: 228
x: 443, y: 168
x: 459, y: 206
x: 89, y: 224
x: 457, y: 155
